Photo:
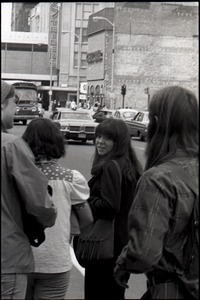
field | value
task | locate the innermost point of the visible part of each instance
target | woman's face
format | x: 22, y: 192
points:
x: 104, y: 144
x: 8, y: 109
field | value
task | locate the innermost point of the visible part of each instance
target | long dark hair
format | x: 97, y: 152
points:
x: 44, y: 139
x: 122, y: 150
x: 173, y: 124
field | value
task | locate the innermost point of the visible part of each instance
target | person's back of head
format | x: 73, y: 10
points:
x: 45, y: 139
x: 8, y: 107
x: 173, y: 124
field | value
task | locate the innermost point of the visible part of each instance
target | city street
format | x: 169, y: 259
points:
x: 79, y: 156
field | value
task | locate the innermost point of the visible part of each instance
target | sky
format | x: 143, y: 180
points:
x: 6, y: 16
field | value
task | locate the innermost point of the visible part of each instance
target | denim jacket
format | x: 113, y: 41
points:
x: 158, y: 220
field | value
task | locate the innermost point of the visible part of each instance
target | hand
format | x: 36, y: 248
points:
x: 121, y: 276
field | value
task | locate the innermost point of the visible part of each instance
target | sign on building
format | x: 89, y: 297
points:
x: 53, y: 32
x: 83, y: 87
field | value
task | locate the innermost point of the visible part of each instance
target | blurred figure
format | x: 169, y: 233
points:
x: 73, y: 105
x: 163, y: 202
x: 111, y: 199
x: 52, y: 259
x: 22, y: 181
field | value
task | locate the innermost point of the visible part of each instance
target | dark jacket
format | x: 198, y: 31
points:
x: 111, y: 199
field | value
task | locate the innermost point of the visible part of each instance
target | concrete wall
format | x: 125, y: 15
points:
x: 156, y: 46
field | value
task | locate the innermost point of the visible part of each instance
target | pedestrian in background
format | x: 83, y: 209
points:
x: 50, y: 279
x: 110, y: 199
x: 163, y: 201
x: 22, y: 181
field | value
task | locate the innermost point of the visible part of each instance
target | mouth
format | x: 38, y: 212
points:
x: 100, y: 149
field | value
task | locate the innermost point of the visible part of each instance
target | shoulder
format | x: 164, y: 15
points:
x: 78, y: 177
x: 14, y: 144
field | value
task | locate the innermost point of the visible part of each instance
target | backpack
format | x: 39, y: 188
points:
x: 189, y: 278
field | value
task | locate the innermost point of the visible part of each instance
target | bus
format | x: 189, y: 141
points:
x: 27, y: 102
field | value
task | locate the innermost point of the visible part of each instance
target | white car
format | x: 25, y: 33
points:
x: 125, y: 113
x: 75, y: 125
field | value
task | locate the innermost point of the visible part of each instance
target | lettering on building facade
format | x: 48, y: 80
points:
x: 93, y: 57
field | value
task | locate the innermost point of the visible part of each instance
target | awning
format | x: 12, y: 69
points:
x: 57, y: 88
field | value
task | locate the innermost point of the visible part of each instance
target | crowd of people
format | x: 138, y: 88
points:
x: 151, y: 208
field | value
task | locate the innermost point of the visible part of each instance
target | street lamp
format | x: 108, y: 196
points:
x: 113, y: 50
x: 79, y: 63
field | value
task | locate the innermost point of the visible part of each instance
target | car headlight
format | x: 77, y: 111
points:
x: 64, y: 127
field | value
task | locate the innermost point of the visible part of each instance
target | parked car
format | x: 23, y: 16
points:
x: 75, y: 125
x: 125, y: 113
x: 138, y: 125
x: 103, y: 114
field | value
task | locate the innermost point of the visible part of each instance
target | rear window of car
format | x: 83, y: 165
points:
x: 76, y: 116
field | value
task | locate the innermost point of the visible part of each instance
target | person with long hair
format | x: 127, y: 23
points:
x: 50, y: 280
x: 111, y: 199
x: 164, y: 201
x: 21, y: 183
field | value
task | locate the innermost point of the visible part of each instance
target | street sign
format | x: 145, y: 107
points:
x: 83, y: 97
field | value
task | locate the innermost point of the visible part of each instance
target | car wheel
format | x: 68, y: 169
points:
x: 24, y: 122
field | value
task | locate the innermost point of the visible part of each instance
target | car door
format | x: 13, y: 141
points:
x: 134, y: 125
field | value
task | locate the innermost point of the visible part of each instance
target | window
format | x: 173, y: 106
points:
x: 3, y: 46
x: 83, y: 59
x: 19, y: 47
x: 75, y: 59
x: 87, y: 10
x: 78, y: 11
x: 84, y: 35
x: 40, y: 48
x: 77, y: 32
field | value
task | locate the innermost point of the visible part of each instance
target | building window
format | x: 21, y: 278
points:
x: 78, y: 11
x: 40, y: 48
x: 87, y: 10
x: 76, y: 59
x: 77, y: 32
x: 19, y: 47
x: 95, y: 8
x: 84, y: 59
x: 3, y: 46
x: 84, y: 35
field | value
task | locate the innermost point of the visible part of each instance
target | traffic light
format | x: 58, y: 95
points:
x: 123, y: 89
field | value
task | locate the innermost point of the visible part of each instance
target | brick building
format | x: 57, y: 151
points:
x: 155, y: 45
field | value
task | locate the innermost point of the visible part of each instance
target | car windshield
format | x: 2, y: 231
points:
x: 77, y: 116
x: 146, y: 118
x: 24, y: 94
